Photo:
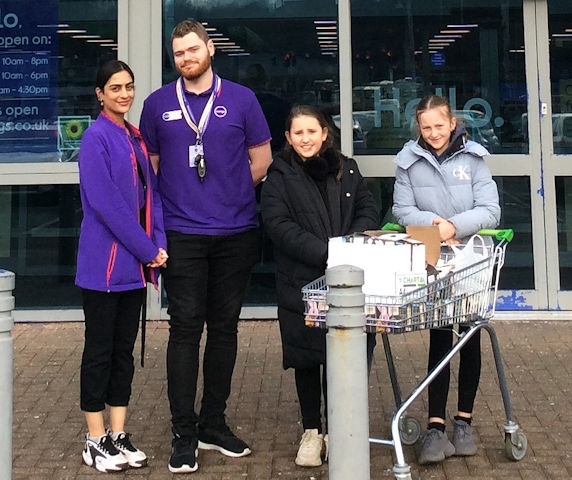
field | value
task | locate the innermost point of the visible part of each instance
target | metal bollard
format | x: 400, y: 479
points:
x: 348, y: 415
x: 7, y: 282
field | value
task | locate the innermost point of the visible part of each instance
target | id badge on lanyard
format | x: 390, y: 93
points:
x: 195, y: 151
x: 197, y: 159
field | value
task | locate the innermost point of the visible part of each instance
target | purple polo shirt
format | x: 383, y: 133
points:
x: 224, y: 203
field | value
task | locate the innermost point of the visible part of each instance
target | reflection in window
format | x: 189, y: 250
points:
x: 559, y: 24
x: 470, y: 53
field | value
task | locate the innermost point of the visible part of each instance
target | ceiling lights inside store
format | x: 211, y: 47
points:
x: 327, y: 35
x: 81, y: 34
x: 223, y: 43
x: 449, y: 35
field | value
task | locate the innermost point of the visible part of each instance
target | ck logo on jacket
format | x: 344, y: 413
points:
x: 462, y: 172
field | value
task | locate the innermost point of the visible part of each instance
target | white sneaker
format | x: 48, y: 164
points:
x: 134, y: 456
x: 103, y: 455
x: 311, y: 447
x: 326, y: 447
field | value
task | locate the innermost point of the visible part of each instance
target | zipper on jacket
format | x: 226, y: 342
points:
x: 111, y: 262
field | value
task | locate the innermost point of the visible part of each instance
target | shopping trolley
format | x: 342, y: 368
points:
x: 464, y: 296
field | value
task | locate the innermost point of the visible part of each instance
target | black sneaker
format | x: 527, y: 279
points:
x: 223, y: 440
x: 183, y: 455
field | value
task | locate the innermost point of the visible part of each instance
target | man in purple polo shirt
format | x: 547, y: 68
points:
x: 210, y: 143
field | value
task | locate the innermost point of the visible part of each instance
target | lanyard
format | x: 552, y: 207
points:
x: 199, y: 128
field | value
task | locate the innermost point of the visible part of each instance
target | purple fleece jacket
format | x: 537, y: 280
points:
x: 113, y: 246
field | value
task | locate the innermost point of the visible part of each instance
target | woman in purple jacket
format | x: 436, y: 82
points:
x: 121, y: 247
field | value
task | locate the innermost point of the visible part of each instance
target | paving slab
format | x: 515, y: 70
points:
x: 48, y: 426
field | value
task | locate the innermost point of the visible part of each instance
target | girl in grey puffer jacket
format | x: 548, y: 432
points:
x: 442, y: 179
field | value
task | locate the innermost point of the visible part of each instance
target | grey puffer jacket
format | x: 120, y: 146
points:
x: 460, y: 189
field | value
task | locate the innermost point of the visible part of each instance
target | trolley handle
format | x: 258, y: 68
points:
x: 505, y: 235
x: 393, y: 227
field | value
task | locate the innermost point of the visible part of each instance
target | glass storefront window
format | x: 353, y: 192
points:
x: 514, y: 196
x: 471, y: 53
x: 564, y: 219
x: 40, y: 228
x: 49, y: 53
x: 559, y: 24
x: 286, y: 52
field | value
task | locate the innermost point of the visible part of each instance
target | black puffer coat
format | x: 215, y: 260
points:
x: 299, y: 224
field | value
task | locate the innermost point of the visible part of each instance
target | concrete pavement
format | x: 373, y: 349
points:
x: 48, y: 427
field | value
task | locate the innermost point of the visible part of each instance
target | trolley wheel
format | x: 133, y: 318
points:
x: 515, y: 445
x: 403, y: 477
x: 409, y: 430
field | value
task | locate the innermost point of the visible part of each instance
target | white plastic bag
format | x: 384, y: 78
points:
x: 468, y: 256
x: 470, y: 253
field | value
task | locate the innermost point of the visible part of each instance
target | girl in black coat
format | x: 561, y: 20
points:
x: 312, y: 193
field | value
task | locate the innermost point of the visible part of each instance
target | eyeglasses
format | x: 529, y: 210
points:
x: 201, y: 165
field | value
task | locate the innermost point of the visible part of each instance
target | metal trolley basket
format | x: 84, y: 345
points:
x: 466, y: 296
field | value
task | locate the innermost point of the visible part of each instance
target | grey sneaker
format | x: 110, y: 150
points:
x: 463, y: 440
x: 435, y: 447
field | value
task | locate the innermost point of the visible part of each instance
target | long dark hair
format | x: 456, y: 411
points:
x: 109, y: 68
x: 320, y: 116
x: 310, y: 111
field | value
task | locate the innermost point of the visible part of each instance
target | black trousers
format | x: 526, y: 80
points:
x: 205, y: 281
x: 111, y: 325
x: 440, y: 342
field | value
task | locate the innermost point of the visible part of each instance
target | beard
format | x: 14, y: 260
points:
x: 197, y: 69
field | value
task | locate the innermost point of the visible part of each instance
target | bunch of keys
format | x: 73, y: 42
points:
x: 201, y: 165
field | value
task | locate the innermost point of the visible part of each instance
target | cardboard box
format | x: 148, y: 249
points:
x: 408, y: 281
x: 381, y: 257
x: 430, y: 236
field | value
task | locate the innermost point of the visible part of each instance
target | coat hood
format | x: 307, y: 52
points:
x: 413, y: 151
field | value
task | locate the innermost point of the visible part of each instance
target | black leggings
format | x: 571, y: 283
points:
x: 311, y: 385
x: 440, y: 342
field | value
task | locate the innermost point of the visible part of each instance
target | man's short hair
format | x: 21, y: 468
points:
x: 190, y: 26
